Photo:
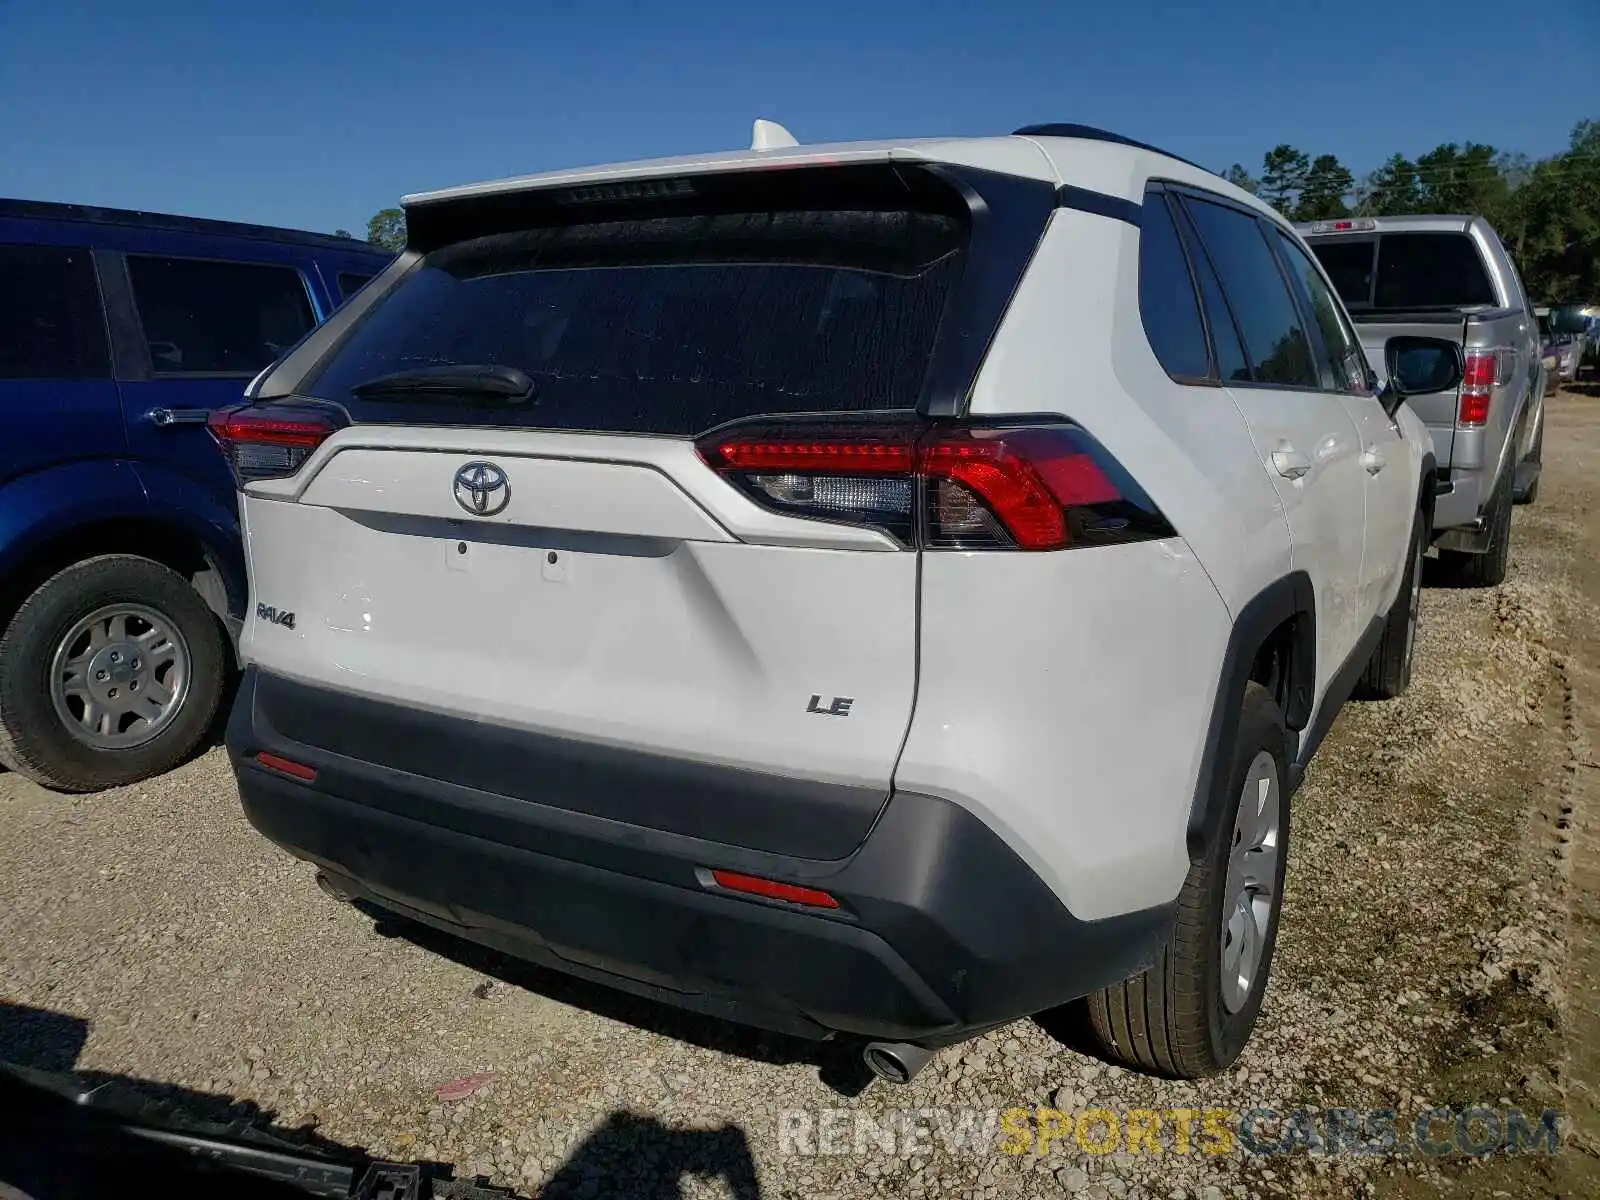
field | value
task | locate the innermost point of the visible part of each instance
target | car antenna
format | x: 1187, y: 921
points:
x: 769, y: 135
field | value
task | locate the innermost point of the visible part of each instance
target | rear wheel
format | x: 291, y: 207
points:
x: 1191, y: 1014
x: 110, y: 672
x: 1488, y: 568
x: 1389, y: 671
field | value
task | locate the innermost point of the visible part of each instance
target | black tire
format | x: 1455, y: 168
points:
x: 1488, y: 568
x: 1172, y: 1020
x: 35, y: 740
x: 1535, y: 455
x: 1389, y: 671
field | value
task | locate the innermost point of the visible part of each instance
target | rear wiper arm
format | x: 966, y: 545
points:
x: 485, y: 381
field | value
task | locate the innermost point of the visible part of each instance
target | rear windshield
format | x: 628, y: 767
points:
x: 1414, y: 271
x: 1349, y: 265
x: 666, y: 325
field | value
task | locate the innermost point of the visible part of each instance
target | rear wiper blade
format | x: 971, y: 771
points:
x: 477, y: 381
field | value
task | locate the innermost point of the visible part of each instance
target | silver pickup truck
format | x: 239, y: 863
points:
x: 1451, y: 277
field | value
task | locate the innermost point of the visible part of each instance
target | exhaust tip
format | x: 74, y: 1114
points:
x: 895, y: 1062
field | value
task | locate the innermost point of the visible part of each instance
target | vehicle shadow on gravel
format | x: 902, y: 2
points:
x: 838, y: 1064
x: 637, y: 1156
x: 66, y: 1129
x: 66, y: 1134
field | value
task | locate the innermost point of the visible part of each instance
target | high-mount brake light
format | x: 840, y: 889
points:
x: 956, y: 486
x: 263, y: 444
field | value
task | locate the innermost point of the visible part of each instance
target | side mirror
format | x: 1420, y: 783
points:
x: 1418, y: 366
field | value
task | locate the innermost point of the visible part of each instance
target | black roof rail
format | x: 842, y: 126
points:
x: 93, y: 214
x: 1093, y: 134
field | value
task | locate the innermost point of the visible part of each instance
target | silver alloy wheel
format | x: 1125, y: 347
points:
x: 1250, y: 895
x: 119, y: 676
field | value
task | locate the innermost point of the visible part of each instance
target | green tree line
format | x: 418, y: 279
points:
x: 1547, y: 212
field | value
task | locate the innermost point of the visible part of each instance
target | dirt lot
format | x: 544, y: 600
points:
x: 1438, y: 949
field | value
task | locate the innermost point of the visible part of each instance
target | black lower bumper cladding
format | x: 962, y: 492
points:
x: 940, y: 928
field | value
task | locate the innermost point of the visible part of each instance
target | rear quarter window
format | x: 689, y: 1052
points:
x: 52, y: 325
x: 1167, y: 303
x: 351, y: 282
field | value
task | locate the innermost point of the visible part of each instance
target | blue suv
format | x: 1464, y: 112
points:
x: 122, y: 582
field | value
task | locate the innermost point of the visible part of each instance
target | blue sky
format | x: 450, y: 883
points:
x: 316, y: 115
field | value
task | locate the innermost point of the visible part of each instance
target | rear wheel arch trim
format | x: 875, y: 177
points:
x: 1289, y: 599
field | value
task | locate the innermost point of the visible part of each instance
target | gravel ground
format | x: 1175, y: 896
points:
x: 149, y: 938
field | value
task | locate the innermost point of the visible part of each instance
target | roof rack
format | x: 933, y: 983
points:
x: 50, y: 210
x: 1093, y: 134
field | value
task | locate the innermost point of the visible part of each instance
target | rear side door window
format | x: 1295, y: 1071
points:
x: 1167, y: 304
x: 1344, y: 355
x: 52, y: 324
x: 1269, y: 321
x: 204, y: 317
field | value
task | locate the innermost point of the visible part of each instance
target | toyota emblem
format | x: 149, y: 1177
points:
x: 482, y: 489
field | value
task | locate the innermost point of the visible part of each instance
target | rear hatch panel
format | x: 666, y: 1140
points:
x: 617, y: 629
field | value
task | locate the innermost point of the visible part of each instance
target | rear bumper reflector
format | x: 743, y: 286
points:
x: 771, y: 889
x: 286, y: 767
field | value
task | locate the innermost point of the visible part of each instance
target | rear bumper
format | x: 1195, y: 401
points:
x: 941, y: 929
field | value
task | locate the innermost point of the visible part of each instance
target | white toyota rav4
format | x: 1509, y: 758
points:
x: 876, y: 590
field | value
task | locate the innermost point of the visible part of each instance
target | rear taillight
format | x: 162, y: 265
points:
x: 263, y: 443
x: 968, y: 487
x: 1479, y: 376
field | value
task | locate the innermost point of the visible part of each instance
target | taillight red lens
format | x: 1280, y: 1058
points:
x: 263, y: 444
x: 1029, y: 478
x: 839, y: 457
x: 972, y: 486
x: 1479, y: 374
x: 1474, y: 408
x: 1479, y: 370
